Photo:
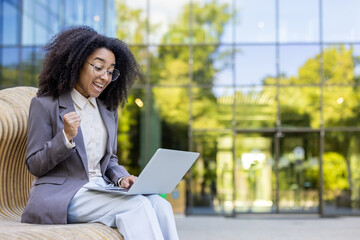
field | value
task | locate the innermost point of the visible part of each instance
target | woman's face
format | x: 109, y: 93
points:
x: 89, y: 84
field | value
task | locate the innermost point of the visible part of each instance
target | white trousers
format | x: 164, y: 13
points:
x: 136, y: 217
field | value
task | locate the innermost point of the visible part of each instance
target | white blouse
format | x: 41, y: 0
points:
x: 93, y: 131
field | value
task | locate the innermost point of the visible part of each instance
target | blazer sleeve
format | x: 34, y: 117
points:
x: 114, y: 171
x: 44, y: 151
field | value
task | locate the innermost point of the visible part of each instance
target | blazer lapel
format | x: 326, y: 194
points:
x: 66, y: 105
x: 109, y: 121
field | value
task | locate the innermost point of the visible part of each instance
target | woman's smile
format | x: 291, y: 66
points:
x: 92, y: 83
x: 98, y: 87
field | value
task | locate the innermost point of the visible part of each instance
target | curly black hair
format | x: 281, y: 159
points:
x: 66, y: 54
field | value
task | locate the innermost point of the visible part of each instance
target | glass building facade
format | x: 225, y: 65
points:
x: 266, y: 90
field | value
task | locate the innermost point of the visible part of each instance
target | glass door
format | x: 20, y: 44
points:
x: 254, y: 173
x: 265, y: 183
x: 298, y: 172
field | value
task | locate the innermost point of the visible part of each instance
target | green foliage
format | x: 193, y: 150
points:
x: 131, y: 23
x: 300, y: 106
x: 128, y: 132
x: 30, y: 70
x: 208, y: 20
x: 335, y: 172
x: 338, y: 65
x: 9, y: 77
x: 256, y: 108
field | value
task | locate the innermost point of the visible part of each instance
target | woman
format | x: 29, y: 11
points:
x: 72, y: 139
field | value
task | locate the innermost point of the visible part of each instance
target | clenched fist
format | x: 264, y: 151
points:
x: 71, y: 124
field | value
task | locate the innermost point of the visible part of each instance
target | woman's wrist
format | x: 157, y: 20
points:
x: 119, y: 181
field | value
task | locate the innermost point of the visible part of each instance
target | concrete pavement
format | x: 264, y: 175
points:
x: 250, y: 227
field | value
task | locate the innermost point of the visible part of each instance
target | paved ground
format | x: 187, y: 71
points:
x: 291, y: 227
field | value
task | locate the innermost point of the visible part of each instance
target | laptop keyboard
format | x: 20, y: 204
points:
x: 119, y: 189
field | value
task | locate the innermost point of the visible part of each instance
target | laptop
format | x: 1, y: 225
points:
x: 161, y: 174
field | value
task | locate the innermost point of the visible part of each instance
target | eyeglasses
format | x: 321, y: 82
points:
x: 99, y: 71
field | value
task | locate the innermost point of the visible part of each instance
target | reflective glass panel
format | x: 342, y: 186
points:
x: 300, y: 106
x: 299, y: 172
x: 41, y: 13
x: 211, y: 21
x: 9, y: 67
x: 340, y: 20
x: 15, y: 2
x: 339, y: 65
x: 255, y: 175
x: 212, y: 108
x: 341, y: 106
x: 140, y: 54
x: 27, y: 67
x: 212, y: 174
x: 42, y: 36
x: 110, y: 22
x: 169, y: 24
x: 131, y: 132
x: 40, y: 21
x: 169, y: 65
x: 228, y: 33
x: 131, y: 17
x: 298, y: 21
x: 356, y: 57
x: 84, y: 12
x: 254, y: 65
x: 302, y: 69
x: 341, y: 164
x: 31, y: 65
x: 255, y: 21
x: 94, y: 15
x: 38, y: 64
x: 54, y: 6
x: 212, y: 65
x: 170, y: 108
x: 28, y: 23
x: 41, y: 1
x: 256, y: 107
x: 10, y: 24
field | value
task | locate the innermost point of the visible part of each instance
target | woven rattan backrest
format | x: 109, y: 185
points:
x: 15, y: 180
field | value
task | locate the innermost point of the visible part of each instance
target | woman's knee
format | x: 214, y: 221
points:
x: 143, y: 201
x: 159, y: 202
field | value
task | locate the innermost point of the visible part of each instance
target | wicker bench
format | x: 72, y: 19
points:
x: 15, y: 180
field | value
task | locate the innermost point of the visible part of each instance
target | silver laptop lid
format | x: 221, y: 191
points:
x: 163, y: 172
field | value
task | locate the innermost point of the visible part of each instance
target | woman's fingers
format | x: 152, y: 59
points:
x: 72, y: 122
x: 128, y: 181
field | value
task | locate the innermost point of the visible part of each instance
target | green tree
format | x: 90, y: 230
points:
x: 130, y: 23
